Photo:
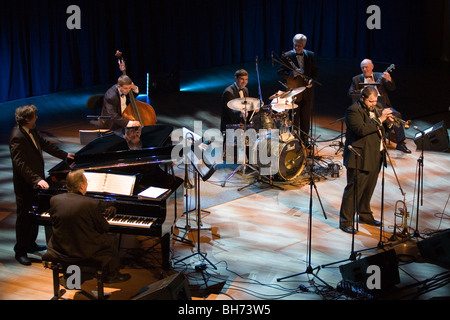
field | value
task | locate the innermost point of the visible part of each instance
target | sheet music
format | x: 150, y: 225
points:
x: 110, y: 183
x: 152, y: 192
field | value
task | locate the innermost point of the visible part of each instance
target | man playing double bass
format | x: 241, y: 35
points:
x: 115, y: 101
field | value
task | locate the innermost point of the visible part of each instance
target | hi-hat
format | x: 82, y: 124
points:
x: 242, y: 104
x: 293, y: 92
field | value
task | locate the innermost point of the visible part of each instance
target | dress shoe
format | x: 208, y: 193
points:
x: 23, y: 259
x: 118, y: 277
x: 37, y: 247
x: 348, y: 229
x: 402, y: 147
x: 370, y: 221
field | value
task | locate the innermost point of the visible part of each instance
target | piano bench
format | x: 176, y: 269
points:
x: 59, y: 266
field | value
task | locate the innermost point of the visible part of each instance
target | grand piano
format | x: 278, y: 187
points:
x: 152, y: 166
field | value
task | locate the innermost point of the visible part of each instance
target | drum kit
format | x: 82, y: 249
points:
x: 279, y: 116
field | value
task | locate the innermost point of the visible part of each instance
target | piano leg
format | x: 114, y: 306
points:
x: 165, y: 251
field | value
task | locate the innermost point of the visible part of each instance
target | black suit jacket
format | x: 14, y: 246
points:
x: 383, y: 88
x: 230, y: 116
x: 310, y: 68
x: 79, y: 229
x: 363, y: 134
x: 112, y: 108
x: 27, y: 160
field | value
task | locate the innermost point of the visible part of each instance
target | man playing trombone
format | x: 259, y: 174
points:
x: 299, y: 69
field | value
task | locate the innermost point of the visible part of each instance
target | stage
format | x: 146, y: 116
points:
x: 256, y: 240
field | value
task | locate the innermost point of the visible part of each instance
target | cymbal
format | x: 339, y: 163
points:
x: 293, y: 92
x: 241, y: 104
x: 276, y: 95
x: 279, y: 107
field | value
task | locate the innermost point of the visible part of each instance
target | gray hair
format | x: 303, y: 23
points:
x: 74, y: 180
x: 299, y: 37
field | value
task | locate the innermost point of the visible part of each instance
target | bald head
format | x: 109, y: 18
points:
x: 367, y: 67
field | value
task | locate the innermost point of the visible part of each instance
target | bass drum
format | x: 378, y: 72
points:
x: 289, y: 155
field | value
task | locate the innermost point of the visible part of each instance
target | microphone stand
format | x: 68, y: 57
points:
x: 419, y: 184
x: 380, y: 245
x: 353, y: 254
x: 258, y: 179
x: 340, y: 143
x: 309, y: 268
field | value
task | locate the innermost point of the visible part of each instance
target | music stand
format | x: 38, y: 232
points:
x: 204, y: 172
x: 194, y: 142
x: 341, y: 135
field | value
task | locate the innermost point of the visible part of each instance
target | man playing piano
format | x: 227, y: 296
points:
x: 80, y: 229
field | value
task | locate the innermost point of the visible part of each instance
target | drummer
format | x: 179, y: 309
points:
x: 235, y: 91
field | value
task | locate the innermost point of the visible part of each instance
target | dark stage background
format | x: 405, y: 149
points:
x: 40, y: 55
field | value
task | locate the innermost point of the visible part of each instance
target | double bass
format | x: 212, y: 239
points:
x: 136, y: 110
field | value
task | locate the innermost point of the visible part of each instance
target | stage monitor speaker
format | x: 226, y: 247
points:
x: 435, y: 138
x: 174, y: 287
x: 436, y: 248
x: 357, y: 272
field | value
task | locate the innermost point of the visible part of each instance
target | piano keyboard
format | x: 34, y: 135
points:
x: 121, y: 220
x: 130, y: 221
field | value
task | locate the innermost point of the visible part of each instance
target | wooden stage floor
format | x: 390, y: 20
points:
x: 257, y: 243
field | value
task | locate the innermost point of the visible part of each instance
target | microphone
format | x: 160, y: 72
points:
x: 416, y: 128
x: 354, y: 151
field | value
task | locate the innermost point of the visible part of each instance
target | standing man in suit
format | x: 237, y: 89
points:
x: 26, y: 146
x: 298, y: 63
x: 115, y: 101
x: 80, y: 230
x: 234, y: 91
x: 363, y: 157
x: 385, y: 83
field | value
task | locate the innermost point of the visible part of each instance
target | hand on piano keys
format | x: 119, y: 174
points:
x: 120, y: 220
x: 109, y: 212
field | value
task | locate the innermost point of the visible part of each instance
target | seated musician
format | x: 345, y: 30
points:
x: 234, y: 91
x: 384, y: 83
x: 133, y: 137
x: 80, y: 229
x: 115, y: 102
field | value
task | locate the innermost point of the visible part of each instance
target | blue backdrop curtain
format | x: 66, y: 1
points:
x: 40, y: 55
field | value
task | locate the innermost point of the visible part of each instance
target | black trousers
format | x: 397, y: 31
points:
x: 366, y: 182
x: 26, y: 230
x: 302, y: 116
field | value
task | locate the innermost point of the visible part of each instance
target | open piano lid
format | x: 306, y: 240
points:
x: 111, y: 151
